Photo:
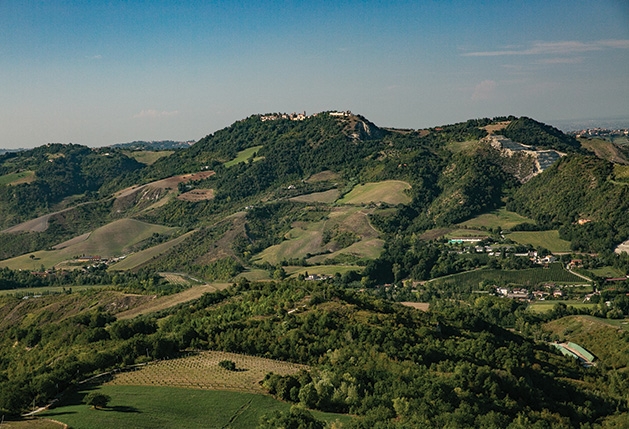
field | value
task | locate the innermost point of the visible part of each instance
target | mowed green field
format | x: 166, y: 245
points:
x: 107, y: 241
x: 498, y: 218
x: 170, y: 407
x: 148, y: 157
x: 16, y: 178
x: 547, y: 239
x: 244, y: 155
x: 544, y: 306
x: 388, y: 191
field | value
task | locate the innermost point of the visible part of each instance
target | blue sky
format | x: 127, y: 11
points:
x: 104, y: 72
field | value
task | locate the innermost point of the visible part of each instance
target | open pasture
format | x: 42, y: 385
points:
x: 545, y: 306
x: 547, y: 239
x: 107, y: 241
x: 244, y: 155
x: 146, y: 407
x: 136, y: 259
x: 328, y: 196
x: 17, y: 178
x: 305, y: 239
x: 500, y: 218
x: 148, y: 157
x: 388, y: 191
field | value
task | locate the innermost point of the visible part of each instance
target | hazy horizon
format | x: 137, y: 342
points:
x: 100, y: 74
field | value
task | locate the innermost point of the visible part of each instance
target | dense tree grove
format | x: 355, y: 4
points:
x: 391, y: 366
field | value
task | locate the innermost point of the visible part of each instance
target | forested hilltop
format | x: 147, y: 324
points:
x: 309, y: 230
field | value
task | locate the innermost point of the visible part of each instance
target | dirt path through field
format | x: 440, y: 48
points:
x: 164, y: 302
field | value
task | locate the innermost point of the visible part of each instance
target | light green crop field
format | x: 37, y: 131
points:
x: 388, y: 191
x: 244, y: 155
x: 17, y: 178
x: 107, y: 241
x: 254, y: 275
x: 146, y: 407
x: 607, y: 272
x: 544, y: 306
x: 547, y: 239
x: 148, y: 157
x: 498, y: 218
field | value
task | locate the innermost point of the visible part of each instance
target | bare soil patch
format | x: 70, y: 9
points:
x: 197, y: 195
x: 323, y: 176
x: 423, y: 306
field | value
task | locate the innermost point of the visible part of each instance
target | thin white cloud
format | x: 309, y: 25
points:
x: 484, y: 90
x: 151, y: 113
x: 561, y: 60
x: 94, y: 57
x: 556, y: 48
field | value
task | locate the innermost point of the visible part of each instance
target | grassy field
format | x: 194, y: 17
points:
x: 544, y: 306
x: 306, y: 238
x: 388, y: 191
x: 498, y: 218
x: 17, y: 178
x: 547, y: 239
x: 528, y: 277
x: 606, y: 339
x: 148, y: 157
x: 604, y: 149
x: 318, y: 197
x: 136, y: 259
x: 621, y: 172
x: 464, y: 146
x: 244, y: 155
x: 110, y: 240
x: 254, y: 275
x: 169, y: 407
x: 608, y: 272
